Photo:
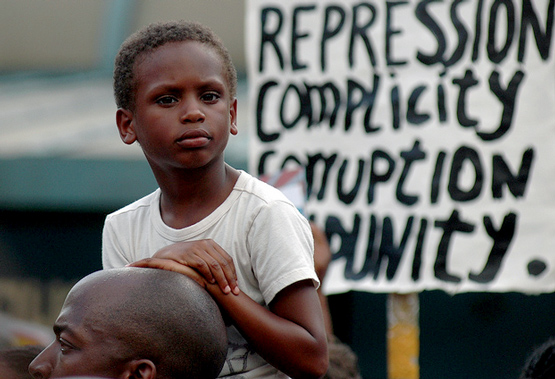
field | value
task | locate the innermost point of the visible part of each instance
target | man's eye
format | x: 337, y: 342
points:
x: 64, y: 345
x: 164, y: 100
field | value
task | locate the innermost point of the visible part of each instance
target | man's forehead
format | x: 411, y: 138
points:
x: 71, y: 316
x: 82, y: 322
x: 78, y: 301
x: 97, y: 296
x: 68, y: 325
x: 107, y: 280
x: 98, y: 291
x: 82, y: 305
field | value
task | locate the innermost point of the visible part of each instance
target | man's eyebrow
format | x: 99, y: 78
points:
x: 60, y: 327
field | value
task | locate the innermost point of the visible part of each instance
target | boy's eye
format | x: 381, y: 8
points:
x: 210, y: 97
x: 164, y: 100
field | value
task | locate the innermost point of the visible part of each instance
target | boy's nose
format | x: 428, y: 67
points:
x: 40, y: 367
x: 192, y: 113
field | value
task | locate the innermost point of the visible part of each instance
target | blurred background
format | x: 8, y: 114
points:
x: 63, y: 168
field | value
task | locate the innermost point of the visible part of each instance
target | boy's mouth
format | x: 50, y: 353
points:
x: 194, y: 138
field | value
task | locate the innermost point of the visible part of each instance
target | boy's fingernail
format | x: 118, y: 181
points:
x: 236, y: 290
x: 227, y: 289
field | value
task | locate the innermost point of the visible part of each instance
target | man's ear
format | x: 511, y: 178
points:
x: 140, y: 369
x: 124, y: 120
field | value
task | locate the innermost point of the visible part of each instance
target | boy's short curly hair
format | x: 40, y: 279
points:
x: 158, y: 34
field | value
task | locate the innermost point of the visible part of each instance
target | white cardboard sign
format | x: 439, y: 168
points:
x: 426, y: 129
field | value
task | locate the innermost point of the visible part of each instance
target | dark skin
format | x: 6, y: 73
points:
x: 182, y: 120
x: 84, y: 344
x: 289, y: 335
x: 183, y: 123
x: 322, y: 259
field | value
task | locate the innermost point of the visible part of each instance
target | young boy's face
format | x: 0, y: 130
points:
x: 183, y: 111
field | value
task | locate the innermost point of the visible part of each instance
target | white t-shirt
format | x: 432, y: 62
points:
x: 269, y: 240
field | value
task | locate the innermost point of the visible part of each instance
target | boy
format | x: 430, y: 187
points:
x: 126, y: 324
x: 175, y: 90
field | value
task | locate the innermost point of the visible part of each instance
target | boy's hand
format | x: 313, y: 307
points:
x: 206, y: 257
x: 170, y: 265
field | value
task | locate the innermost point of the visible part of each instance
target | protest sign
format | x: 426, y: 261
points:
x: 426, y: 129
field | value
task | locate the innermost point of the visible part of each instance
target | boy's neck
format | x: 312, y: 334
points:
x: 189, y: 198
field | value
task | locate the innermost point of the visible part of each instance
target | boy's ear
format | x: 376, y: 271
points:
x: 233, y: 116
x: 124, y: 120
x: 140, y: 369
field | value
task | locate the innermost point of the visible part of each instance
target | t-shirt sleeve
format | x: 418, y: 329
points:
x: 282, y: 248
x: 112, y: 254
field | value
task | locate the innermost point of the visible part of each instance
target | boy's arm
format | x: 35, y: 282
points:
x: 207, y: 258
x: 290, y: 336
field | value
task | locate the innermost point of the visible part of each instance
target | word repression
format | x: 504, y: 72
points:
x: 357, y: 23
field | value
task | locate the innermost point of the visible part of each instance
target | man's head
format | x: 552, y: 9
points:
x: 146, y: 40
x: 136, y: 323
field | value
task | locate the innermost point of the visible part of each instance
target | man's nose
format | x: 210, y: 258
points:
x: 40, y: 367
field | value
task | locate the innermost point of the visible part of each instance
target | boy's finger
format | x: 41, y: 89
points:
x: 223, y: 269
x: 199, y: 262
x: 217, y: 270
x: 190, y: 254
x: 206, y: 257
x: 214, y: 263
x: 169, y: 265
x: 228, y: 268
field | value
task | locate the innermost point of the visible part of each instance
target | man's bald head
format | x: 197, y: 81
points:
x: 140, y: 313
